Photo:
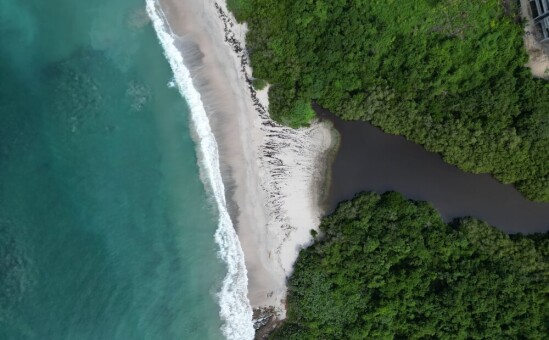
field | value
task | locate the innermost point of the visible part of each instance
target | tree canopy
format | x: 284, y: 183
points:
x: 448, y: 74
x: 388, y: 268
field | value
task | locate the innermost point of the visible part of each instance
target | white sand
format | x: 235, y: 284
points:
x: 273, y: 174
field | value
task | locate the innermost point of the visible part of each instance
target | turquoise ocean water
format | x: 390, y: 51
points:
x: 106, y: 230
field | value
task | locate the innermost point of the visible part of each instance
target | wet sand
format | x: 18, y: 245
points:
x: 371, y: 160
x: 272, y: 174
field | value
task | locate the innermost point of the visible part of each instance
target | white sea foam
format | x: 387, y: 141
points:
x: 235, y: 309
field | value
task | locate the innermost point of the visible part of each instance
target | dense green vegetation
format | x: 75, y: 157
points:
x: 388, y: 268
x: 259, y: 84
x: 447, y: 74
x: 240, y: 8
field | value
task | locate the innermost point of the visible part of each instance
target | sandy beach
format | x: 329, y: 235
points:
x: 274, y: 176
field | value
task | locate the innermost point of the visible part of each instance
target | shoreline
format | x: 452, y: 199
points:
x: 275, y: 177
x: 235, y: 309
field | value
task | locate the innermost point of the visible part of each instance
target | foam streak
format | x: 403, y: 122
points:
x: 235, y: 309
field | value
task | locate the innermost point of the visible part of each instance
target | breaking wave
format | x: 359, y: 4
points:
x: 235, y: 309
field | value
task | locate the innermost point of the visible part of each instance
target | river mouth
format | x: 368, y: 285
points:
x: 370, y: 160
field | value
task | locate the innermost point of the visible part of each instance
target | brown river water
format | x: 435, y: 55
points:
x: 370, y: 160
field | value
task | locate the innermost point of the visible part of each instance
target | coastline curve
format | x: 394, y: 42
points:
x: 235, y: 308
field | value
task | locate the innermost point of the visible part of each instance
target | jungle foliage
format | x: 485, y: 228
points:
x: 384, y: 267
x: 259, y: 84
x: 448, y: 74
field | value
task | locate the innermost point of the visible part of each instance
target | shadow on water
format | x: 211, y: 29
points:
x: 370, y: 160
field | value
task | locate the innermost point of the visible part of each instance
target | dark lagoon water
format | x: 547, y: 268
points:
x: 106, y: 229
x: 371, y: 160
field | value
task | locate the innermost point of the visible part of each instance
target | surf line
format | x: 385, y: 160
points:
x: 235, y: 308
